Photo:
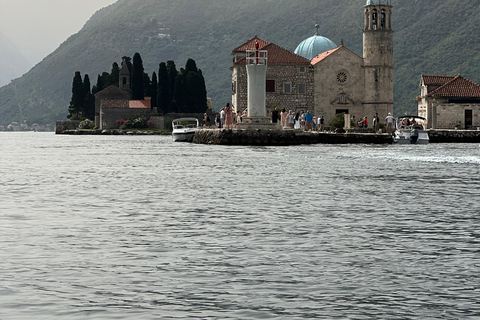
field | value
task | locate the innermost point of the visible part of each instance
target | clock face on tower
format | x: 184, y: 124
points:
x: 342, y: 77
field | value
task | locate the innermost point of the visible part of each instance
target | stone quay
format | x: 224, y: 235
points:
x: 261, y: 137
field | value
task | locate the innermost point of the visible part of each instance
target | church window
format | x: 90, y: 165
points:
x: 382, y: 20
x: 342, y: 77
x: 124, y: 81
x: 270, y: 86
x: 302, y: 88
x: 287, y: 87
x: 374, y: 19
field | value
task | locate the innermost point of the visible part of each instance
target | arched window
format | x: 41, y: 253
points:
x: 374, y: 19
x: 124, y: 81
x: 382, y: 20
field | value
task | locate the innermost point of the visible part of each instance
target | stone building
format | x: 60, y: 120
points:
x: 449, y: 102
x: 324, y: 77
x: 113, y: 103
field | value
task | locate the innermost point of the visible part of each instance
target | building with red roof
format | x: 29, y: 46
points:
x: 449, y: 102
x: 324, y: 78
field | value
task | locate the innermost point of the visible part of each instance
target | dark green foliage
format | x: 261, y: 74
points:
x: 164, y: 99
x: 337, y: 122
x: 153, y: 90
x: 172, y: 76
x: 138, y: 90
x: 114, y: 74
x: 78, y: 96
x: 89, y: 100
x: 147, y: 83
x: 190, y: 91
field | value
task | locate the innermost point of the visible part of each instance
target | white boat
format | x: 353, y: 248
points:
x: 411, y: 130
x: 184, y: 129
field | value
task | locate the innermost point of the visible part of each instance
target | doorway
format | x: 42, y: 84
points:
x: 468, y: 119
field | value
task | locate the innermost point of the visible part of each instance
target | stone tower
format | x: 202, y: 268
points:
x: 124, y: 77
x: 378, y: 57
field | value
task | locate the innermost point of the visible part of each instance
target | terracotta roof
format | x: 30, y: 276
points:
x: 436, y: 80
x: 327, y: 53
x: 140, y: 104
x: 250, y: 45
x: 458, y: 87
x: 280, y: 56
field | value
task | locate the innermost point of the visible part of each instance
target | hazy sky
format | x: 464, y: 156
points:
x: 38, y: 27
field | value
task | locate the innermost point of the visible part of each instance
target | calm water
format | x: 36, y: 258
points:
x: 141, y: 228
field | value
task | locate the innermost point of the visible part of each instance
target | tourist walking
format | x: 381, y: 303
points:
x: 206, y: 121
x: 376, y: 122
x: 308, y: 121
x: 365, y: 122
x: 291, y: 119
x: 389, y: 120
x: 283, y: 118
x: 228, y: 116
x: 275, y: 115
x: 321, y: 123
x: 222, y: 117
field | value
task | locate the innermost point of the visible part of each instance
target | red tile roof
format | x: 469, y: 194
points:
x: 326, y: 54
x: 436, y: 80
x: 279, y: 56
x: 250, y: 45
x: 140, y: 104
x: 458, y: 87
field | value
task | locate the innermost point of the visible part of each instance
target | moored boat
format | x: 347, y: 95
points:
x: 411, y: 130
x: 184, y: 129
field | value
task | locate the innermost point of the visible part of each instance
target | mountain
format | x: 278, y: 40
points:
x: 13, y: 64
x: 431, y: 37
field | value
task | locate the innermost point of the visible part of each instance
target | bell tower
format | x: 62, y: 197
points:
x: 378, y: 57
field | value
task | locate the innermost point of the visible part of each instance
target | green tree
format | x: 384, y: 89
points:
x: 153, y: 90
x: 114, y: 74
x: 147, y: 83
x: 190, y: 90
x: 164, y: 98
x: 172, y: 76
x: 138, y: 91
x: 78, y: 97
x: 89, y: 100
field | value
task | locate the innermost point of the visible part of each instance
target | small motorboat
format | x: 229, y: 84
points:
x: 184, y: 129
x: 411, y: 130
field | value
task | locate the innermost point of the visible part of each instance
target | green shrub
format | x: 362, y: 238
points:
x: 87, y: 124
x: 337, y: 122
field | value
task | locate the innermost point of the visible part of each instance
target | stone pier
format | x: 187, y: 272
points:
x: 261, y: 137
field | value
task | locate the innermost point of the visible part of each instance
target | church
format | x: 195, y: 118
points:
x: 324, y: 78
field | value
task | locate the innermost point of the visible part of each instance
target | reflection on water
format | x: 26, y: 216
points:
x: 139, y: 227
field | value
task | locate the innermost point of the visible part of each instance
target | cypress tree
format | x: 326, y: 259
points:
x: 172, y: 76
x: 147, y: 83
x: 114, y: 74
x: 138, y: 91
x: 100, y: 85
x: 78, y: 97
x: 89, y: 100
x: 163, y: 90
x: 153, y: 90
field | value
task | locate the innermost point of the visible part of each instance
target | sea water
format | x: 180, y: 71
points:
x: 139, y: 227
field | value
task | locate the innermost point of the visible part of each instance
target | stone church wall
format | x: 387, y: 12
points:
x: 339, y: 82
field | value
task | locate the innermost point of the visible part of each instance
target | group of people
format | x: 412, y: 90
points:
x: 363, y: 123
x: 306, y: 121
x: 226, y: 118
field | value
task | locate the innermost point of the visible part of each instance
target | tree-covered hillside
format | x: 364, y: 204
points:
x: 431, y: 37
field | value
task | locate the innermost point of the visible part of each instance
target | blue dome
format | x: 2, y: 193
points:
x: 377, y: 2
x: 313, y: 46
